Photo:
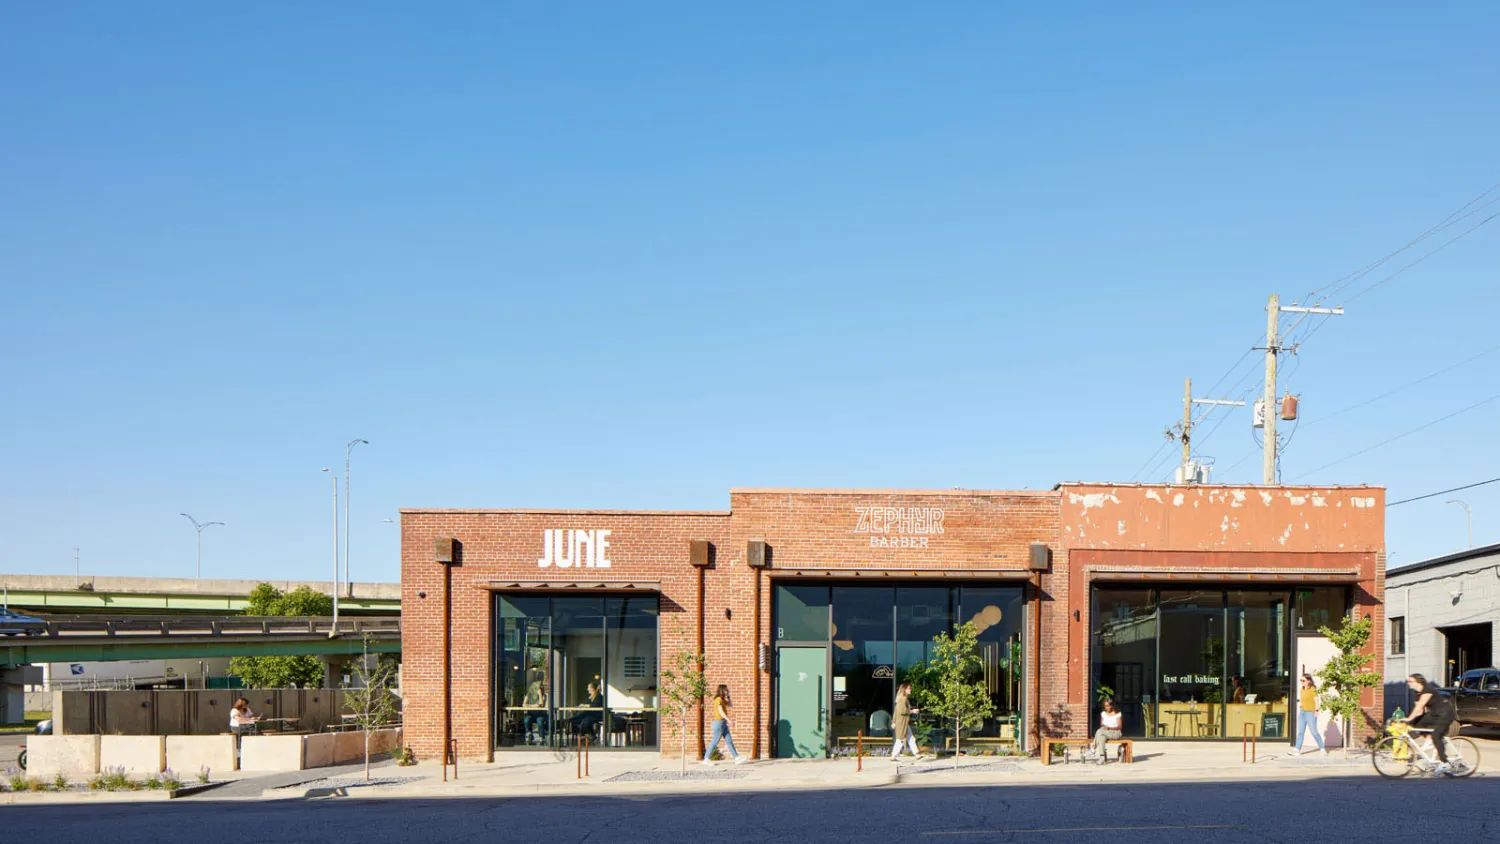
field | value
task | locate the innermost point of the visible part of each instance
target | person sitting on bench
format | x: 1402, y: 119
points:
x: 1110, y: 721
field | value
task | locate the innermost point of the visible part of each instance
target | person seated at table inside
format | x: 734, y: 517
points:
x: 1110, y: 722
x: 585, y: 722
x: 241, y: 719
x: 536, y: 722
x: 1238, y: 694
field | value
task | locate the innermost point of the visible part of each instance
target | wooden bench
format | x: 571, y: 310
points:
x: 1126, y: 748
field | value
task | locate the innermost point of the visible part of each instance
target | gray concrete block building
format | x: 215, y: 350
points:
x: 1442, y: 617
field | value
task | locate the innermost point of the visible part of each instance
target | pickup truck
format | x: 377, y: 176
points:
x: 1476, y: 698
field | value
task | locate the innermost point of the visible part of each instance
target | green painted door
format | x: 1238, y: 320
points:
x: 801, y: 698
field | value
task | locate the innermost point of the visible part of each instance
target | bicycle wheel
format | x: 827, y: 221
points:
x: 1387, y: 761
x: 1464, y: 756
x: 21, y: 760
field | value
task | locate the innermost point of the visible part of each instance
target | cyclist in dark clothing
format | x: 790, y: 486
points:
x: 1432, y: 711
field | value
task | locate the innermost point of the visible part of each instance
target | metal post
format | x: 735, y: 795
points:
x: 335, y: 629
x: 196, y: 526
x: 859, y: 751
x: 348, y: 450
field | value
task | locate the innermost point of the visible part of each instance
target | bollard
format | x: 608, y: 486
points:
x: 859, y: 752
x: 451, y: 755
x: 1247, y: 744
x: 586, y: 755
x: 578, y: 754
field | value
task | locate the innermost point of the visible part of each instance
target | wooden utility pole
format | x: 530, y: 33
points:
x: 1273, y: 321
x: 1187, y: 426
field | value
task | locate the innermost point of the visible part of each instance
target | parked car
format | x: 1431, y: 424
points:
x: 13, y: 623
x: 1476, y: 698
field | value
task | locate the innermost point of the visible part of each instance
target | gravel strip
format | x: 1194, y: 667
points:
x: 981, y: 767
x: 673, y: 776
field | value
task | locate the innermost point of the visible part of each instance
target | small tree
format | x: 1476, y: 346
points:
x: 682, y: 687
x: 374, y: 705
x: 279, y: 672
x: 959, y: 693
x: 1344, y: 677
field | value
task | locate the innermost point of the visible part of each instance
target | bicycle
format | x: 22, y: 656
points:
x: 1398, y: 754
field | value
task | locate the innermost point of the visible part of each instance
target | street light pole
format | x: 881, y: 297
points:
x: 348, y: 451
x: 197, y: 526
x: 1470, y: 514
x: 335, y: 550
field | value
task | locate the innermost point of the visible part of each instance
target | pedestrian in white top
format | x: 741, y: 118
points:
x: 241, y: 718
x: 1110, y: 721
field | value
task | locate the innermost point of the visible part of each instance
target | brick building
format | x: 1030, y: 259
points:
x: 1195, y: 607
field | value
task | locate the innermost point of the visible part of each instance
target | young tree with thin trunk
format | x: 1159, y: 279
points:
x: 958, y: 694
x: 1344, y: 677
x: 682, y: 688
x: 374, y: 705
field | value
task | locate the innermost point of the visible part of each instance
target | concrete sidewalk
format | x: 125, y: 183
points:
x: 620, y: 773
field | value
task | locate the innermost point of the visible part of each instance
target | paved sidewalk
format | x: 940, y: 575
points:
x: 617, y: 773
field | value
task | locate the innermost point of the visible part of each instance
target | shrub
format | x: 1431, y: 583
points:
x: 152, y: 782
x: 35, y: 784
x: 96, y: 782
x: 170, y: 781
x: 115, y: 779
x: 17, y: 780
x: 60, y: 782
x: 203, y: 773
x: 405, y: 757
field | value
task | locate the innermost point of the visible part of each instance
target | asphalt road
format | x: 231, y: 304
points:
x: 1364, y: 809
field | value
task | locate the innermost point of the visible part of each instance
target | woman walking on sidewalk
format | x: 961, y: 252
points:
x: 901, y: 723
x: 721, y: 728
x: 1307, y: 716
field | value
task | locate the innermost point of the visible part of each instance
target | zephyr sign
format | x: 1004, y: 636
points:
x: 566, y: 549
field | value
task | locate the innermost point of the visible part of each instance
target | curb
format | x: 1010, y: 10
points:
x: 599, y: 789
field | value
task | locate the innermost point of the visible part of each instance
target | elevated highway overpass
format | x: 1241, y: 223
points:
x: 54, y: 594
x: 106, y: 638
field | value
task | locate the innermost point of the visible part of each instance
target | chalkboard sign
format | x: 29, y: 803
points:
x: 1273, y: 725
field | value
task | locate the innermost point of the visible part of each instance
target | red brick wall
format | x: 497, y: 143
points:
x: 816, y: 531
x: 500, y: 545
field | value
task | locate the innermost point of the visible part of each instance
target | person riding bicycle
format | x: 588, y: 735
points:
x: 1432, y: 711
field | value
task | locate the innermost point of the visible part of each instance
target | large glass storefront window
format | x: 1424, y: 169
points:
x: 1195, y: 664
x: 878, y: 636
x: 569, y: 667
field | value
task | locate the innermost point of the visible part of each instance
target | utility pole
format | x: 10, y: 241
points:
x: 1273, y: 348
x: 1273, y: 323
x: 1187, y: 424
x: 1184, y: 432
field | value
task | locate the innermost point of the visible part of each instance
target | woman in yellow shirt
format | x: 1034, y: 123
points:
x: 1307, y: 716
x: 721, y: 728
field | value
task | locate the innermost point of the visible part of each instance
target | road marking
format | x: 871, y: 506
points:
x: 1079, y: 829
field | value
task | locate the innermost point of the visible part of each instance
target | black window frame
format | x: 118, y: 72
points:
x: 1396, y: 632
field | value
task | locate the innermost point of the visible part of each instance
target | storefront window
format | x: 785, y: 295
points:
x: 1259, y: 674
x: 1190, y: 651
x: 881, y: 635
x: 998, y: 616
x: 802, y: 613
x: 1194, y: 664
x: 1321, y: 606
x: 864, y: 668
x: 1125, y: 656
x: 573, y: 667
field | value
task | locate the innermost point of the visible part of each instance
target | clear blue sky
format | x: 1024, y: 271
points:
x: 631, y: 255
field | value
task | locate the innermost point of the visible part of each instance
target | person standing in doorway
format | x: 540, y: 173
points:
x: 901, y: 723
x: 1307, y: 716
x: 722, y: 705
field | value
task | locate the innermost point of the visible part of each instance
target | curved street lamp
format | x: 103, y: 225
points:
x: 1467, y: 512
x: 199, y: 526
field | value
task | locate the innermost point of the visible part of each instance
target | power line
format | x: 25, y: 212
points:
x: 1150, y: 460
x: 1440, y: 492
x: 1428, y: 377
x: 1423, y: 427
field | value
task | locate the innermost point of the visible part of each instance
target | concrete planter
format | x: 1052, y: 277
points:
x: 136, y: 754
x: 189, y: 754
x: 317, y: 750
x: 271, y: 753
x: 74, y: 756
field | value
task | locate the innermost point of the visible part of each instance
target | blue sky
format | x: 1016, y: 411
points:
x: 631, y: 255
